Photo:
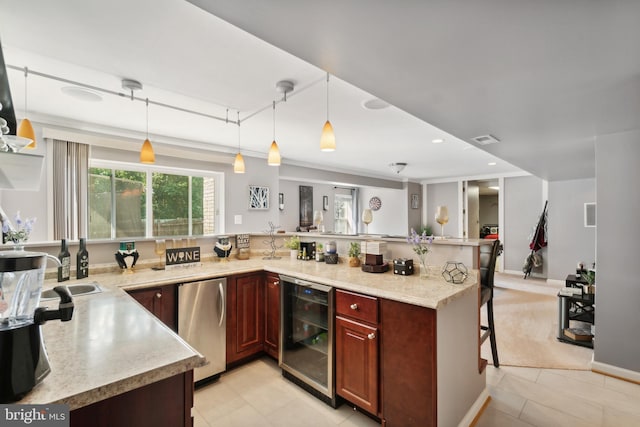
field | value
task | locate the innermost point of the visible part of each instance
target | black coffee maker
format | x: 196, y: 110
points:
x: 23, y: 357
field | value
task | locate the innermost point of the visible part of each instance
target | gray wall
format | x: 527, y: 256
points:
x: 443, y: 194
x: 617, y: 236
x: 572, y: 241
x: 237, y: 196
x: 522, y: 208
x: 488, y: 210
x: 414, y: 216
x: 290, y: 216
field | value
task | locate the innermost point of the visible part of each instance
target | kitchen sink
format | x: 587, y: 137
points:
x: 75, y: 290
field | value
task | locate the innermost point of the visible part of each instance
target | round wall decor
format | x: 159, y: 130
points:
x: 375, y: 203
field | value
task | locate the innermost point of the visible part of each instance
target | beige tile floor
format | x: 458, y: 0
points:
x: 256, y: 394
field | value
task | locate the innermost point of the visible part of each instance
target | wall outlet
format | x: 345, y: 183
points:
x: 237, y: 219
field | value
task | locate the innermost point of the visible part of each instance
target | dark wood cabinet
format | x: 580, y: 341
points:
x: 357, y: 350
x: 166, y: 403
x: 408, y: 364
x: 245, y: 316
x: 161, y: 301
x: 272, y: 315
x: 357, y: 363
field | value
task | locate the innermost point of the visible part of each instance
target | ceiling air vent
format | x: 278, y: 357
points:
x: 486, y: 139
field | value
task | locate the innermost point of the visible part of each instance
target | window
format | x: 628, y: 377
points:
x: 179, y: 203
x: 343, y: 214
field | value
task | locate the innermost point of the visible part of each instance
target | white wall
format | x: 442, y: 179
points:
x: 617, y: 237
x: 443, y: 194
x: 31, y: 203
x: 392, y: 216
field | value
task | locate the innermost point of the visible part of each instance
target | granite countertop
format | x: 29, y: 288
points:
x: 110, y: 346
x: 432, y: 292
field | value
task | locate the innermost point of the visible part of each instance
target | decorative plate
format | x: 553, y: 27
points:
x: 375, y: 203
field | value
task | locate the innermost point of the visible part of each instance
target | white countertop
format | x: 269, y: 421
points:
x: 113, y: 345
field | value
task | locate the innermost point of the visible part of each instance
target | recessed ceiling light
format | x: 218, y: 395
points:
x: 494, y: 187
x: 491, y: 163
x: 82, y: 93
x: 437, y: 141
x: 375, y: 104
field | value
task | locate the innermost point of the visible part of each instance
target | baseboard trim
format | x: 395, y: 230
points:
x: 615, y: 372
x: 514, y: 272
x: 473, y: 414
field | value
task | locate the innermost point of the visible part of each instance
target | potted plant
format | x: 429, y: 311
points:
x: 354, y: 253
x: 293, y: 243
x: 320, y: 252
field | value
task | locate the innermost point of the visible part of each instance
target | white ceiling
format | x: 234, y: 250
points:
x: 544, y: 77
x: 187, y: 57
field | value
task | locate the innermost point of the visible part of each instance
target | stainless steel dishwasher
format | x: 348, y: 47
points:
x: 202, y: 322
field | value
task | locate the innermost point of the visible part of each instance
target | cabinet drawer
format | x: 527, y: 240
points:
x: 357, y: 306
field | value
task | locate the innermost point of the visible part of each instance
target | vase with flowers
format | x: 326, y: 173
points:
x: 421, y: 245
x: 18, y: 233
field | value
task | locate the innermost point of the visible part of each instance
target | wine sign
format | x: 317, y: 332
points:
x: 182, y: 257
x: 243, y: 241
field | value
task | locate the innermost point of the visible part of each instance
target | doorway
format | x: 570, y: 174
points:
x: 483, y: 209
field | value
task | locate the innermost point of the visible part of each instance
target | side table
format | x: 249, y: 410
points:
x: 580, y: 307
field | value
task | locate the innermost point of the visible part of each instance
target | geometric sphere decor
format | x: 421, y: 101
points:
x: 454, y: 272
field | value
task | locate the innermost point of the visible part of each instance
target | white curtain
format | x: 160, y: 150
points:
x: 70, y: 193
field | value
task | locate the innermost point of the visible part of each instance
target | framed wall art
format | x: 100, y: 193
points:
x: 415, y: 201
x: 258, y: 197
x: 306, y: 206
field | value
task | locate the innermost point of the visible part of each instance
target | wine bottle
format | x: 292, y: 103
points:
x: 64, y: 271
x: 82, y: 260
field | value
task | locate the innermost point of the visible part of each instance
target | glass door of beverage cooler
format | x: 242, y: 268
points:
x: 306, y: 349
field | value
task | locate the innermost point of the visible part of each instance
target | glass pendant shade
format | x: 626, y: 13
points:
x: 238, y: 164
x: 328, y: 138
x: 25, y: 130
x: 273, y: 158
x: 146, y: 153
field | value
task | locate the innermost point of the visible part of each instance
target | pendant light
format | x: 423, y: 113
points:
x: 273, y: 159
x: 25, y: 129
x: 328, y: 138
x: 238, y: 163
x: 146, y: 153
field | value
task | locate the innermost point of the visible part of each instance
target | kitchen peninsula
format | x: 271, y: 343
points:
x: 429, y: 318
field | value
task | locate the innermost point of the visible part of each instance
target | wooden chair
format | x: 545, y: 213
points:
x: 488, y: 256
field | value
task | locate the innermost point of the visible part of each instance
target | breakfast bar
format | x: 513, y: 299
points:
x: 113, y: 346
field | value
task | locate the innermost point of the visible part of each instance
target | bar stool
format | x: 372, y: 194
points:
x: 488, y: 256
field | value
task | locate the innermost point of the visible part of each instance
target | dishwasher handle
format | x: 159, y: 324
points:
x: 223, y: 303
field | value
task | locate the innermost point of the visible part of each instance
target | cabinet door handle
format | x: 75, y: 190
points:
x: 354, y: 306
x: 371, y: 336
x: 158, y: 295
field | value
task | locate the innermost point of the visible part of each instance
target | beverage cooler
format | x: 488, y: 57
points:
x: 306, y: 338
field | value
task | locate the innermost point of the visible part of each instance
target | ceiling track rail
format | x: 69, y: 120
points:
x: 162, y: 104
